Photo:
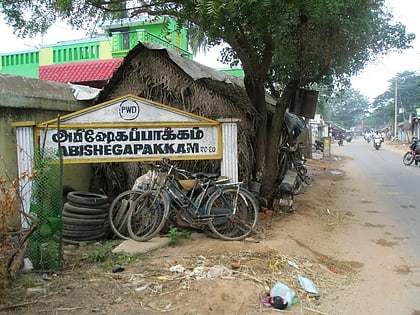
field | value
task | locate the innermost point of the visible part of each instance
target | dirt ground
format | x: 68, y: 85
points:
x: 355, y: 257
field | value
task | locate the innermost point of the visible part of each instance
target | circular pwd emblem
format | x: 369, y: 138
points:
x: 129, y: 110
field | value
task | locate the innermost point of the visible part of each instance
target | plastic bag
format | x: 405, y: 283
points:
x: 283, y: 291
x: 293, y: 123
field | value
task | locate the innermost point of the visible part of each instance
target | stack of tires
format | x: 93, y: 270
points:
x: 85, y: 217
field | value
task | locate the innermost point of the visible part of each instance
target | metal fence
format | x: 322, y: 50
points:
x: 44, y: 248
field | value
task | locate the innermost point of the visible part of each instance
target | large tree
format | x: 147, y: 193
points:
x: 403, y: 95
x: 347, y: 108
x: 281, y: 44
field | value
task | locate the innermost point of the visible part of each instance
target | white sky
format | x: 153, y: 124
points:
x: 372, y: 82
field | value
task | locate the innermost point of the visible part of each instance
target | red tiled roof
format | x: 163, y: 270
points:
x: 77, y: 72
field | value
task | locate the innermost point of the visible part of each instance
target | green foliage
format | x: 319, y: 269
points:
x: 404, y: 86
x: 347, y: 108
x: 173, y: 235
x: 102, y: 253
x: 302, y: 40
x: 281, y: 45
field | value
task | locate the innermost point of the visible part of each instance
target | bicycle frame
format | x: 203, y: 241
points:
x: 195, y: 207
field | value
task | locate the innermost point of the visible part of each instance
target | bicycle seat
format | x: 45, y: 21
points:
x: 205, y: 175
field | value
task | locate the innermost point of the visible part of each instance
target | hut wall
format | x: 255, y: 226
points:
x: 151, y: 74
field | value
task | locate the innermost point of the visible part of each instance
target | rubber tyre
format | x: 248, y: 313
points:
x: 147, y: 215
x: 87, y: 198
x: 71, y: 208
x: 83, y: 234
x: 227, y: 224
x: 118, y: 212
x: 408, y: 158
x: 298, y: 186
x: 102, y: 216
x: 74, y: 221
x: 81, y: 228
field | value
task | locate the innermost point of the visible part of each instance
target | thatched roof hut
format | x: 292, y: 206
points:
x: 153, y: 72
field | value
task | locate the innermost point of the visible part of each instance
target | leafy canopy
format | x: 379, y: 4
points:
x: 305, y: 41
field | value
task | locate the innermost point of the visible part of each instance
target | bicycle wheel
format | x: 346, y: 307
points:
x: 283, y: 164
x: 408, y: 158
x: 118, y: 212
x: 147, y: 215
x: 298, y: 185
x: 234, y: 211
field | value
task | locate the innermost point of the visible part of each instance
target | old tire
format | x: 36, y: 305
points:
x: 86, y: 198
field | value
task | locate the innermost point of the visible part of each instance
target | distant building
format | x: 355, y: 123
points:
x: 92, y: 61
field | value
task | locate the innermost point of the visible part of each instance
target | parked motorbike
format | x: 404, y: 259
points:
x: 349, y: 138
x: 318, y: 145
x: 413, y: 154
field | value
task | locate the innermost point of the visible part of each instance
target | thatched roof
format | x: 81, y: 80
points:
x: 153, y: 72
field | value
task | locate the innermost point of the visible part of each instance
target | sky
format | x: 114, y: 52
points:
x: 372, y: 82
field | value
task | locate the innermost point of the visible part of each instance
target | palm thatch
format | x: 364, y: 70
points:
x: 162, y: 75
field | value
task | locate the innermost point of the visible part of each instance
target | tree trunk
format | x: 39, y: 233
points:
x: 256, y: 92
x: 271, y: 169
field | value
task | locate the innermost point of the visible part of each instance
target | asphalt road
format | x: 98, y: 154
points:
x: 399, y: 185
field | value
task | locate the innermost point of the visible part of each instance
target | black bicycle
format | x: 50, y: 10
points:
x: 203, y: 201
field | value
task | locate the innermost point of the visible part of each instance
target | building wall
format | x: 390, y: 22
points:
x: 20, y: 63
x: 24, y: 100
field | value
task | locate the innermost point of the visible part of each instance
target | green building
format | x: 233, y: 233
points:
x: 92, y: 61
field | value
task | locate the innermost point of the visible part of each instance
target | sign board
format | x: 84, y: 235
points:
x: 327, y: 146
x: 131, y: 129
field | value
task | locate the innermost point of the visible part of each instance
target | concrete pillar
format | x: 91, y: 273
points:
x: 229, y: 163
x: 25, y: 159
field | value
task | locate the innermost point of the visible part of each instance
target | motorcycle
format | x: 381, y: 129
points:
x: 377, y: 142
x: 413, y: 155
x: 340, y: 142
x: 318, y: 145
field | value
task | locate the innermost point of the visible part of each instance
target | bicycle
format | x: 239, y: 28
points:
x: 228, y: 209
x: 121, y: 204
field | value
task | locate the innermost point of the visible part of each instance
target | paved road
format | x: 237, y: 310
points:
x: 399, y: 185
x: 383, y: 195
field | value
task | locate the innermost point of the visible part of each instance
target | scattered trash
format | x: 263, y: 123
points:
x: 293, y: 264
x: 197, y: 273
x: 27, y: 265
x: 117, y: 269
x: 36, y: 290
x: 142, y: 288
x: 265, y: 299
x: 177, y: 268
x: 251, y: 240
x: 280, y: 297
x: 235, y: 264
x: 286, y: 294
x: 332, y: 269
x: 307, y: 285
x: 46, y: 277
x: 219, y: 271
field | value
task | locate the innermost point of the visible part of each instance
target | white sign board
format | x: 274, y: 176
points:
x: 130, y: 129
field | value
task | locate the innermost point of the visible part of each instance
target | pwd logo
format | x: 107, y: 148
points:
x: 129, y: 110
